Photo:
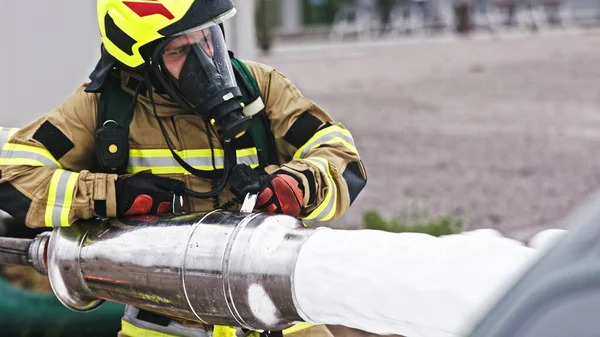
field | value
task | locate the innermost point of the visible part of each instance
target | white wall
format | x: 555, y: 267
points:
x: 47, y: 49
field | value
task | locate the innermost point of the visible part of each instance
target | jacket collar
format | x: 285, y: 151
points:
x: 165, y: 106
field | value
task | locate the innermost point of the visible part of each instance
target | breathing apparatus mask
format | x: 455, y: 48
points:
x: 195, y: 70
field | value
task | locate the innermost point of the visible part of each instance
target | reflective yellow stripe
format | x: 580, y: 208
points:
x: 326, y: 210
x: 20, y: 161
x: 70, y: 190
x: 161, y: 161
x: 223, y: 331
x: 159, y: 169
x: 155, y: 153
x: 52, y: 197
x: 133, y: 331
x: 246, y: 152
x: 60, y: 198
x: 188, y: 153
x: 19, y: 154
x: 330, y: 135
x: 297, y: 328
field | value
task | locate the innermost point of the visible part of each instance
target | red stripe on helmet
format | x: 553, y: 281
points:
x: 149, y: 8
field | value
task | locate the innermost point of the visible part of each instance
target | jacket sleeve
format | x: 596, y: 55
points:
x: 317, y: 150
x: 45, y: 179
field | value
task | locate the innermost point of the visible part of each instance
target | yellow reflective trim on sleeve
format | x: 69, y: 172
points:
x: 297, y: 328
x: 66, y: 208
x: 133, y: 331
x: 52, y: 197
x: 326, y: 210
x: 20, y: 161
x: 60, y: 198
x: 331, y: 135
x: 28, y: 152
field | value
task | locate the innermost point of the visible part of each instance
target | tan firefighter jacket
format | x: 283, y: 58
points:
x: 47, y: 168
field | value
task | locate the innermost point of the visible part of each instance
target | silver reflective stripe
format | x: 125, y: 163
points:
x: 324, y: 139
x: 28, y: 155
x: 60, y: 198
x: 248, y: 160
x: 196, y: 162
x: 161, y: 161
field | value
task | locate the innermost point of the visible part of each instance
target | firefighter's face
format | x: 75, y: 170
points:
x: 176, y: 52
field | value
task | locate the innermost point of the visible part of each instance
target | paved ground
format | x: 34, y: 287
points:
x: 503, y: 130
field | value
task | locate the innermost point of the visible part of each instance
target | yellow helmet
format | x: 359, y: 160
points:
x: 128, y: 25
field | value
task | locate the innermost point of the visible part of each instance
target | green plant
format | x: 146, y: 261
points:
x: 448, y: 224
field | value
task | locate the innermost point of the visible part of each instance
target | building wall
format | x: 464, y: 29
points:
x: 48, y: 49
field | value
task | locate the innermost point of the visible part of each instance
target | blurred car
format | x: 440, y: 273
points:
x: 560, y: 295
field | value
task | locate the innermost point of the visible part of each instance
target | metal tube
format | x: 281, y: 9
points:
x: 217, y: 268
x: 14, y: 251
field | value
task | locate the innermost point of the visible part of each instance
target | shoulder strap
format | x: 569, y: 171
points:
x: 114, y: 103
x: 114, y: 114
x: 260, y: 129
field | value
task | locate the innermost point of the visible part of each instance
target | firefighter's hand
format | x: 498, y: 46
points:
x: 277, y: 193
x: 282, y: 195
x: 146, y: 193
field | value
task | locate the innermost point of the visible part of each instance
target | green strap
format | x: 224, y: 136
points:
x: 260, y: 129
x: 114, y: 104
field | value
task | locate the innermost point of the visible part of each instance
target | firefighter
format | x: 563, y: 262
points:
x: 170, y: 119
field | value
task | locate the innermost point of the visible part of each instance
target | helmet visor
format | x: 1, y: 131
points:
x: 198, y: 65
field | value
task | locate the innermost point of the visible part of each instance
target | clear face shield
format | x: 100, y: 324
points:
x: 196, y: 71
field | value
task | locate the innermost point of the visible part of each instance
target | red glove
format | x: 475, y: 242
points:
x: 282, y: 195
x: 277, y: 193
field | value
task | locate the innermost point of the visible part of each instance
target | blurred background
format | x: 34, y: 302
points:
x: 468, y: 113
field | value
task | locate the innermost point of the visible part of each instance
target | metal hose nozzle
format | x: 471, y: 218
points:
x: 218, y: 268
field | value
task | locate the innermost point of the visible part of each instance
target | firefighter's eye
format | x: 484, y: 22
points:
x: 182, y: 50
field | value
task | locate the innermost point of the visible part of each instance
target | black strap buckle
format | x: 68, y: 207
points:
x: 112, y: 148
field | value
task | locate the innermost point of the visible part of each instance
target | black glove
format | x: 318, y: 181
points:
x: 243, y: 180
x: 279, y: 192
x: 146, y: 193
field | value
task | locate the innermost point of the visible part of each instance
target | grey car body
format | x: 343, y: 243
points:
x: 560, y: 295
